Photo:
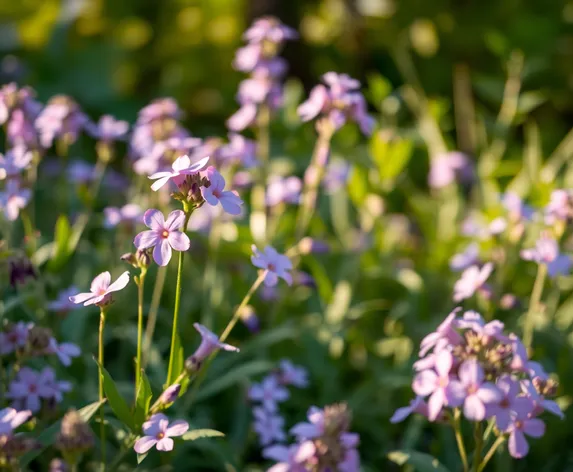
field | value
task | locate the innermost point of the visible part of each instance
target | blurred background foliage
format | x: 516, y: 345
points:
x: 371, y: 308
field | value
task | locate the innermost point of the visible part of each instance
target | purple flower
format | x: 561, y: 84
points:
x: 276, y: 265
x: 465, y: 259
x: 239, y: 150
x: 417, y: 405
x: 290, y: 458
x: 539, y: 402
x: 472, y: 279
x: 339, y: 102
x: 442, y: 389
x: 181, y: 167
x: 444, y: 334
x: 269, y: 392
x: 291, y: 374
x: 336, y: 176
x: 158, y: 432
x: 269, y: 29
x: 247, y: 57
x: 14, y: 199
x: 284, y: 190
x: 10, y: 419
x: 30, y: 387
x: 446, y: 168
x: 546, y: 251
x: 243, y: 117
x: 129, y: 214
x: 216, y: 193
x: 64, y: 351
x: 108, y: 128
x: 560, y: 206
x: 170, y: 394
x: 518, y: 211
x: 62, y: 304
x: 60, y: 117
x: 209, y: 343
x: 159, y: 109
x: 478, y: 393
x: 101, y: 289
x: 16, y: 337
x: 523, y: 424
x: 164, y: 235
x: 268, y: 426
x: 16, y: 160
x: 509, y: 402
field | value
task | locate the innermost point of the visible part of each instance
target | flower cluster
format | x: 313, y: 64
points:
x: 15, y: 196
x: 476, y: 367
x: 269, y: 424
x: 18, y: 112
x: 260, y: 58
x: 322, y: 443
x: 339, y: 101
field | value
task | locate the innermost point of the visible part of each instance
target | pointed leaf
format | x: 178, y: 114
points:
x: 201, y: 433
x: 142, y: 400
x: 116, y: 401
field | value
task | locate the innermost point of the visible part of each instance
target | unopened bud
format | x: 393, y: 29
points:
x: 75, y: 436
x: 39, y: 338
x: 169, y: 395
x: 250, y: 319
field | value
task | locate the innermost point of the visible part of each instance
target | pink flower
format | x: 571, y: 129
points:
x: 277, y: 265
x: 158, y: 432
x: 215, y: 193
x: 478, y: 393
x: 181, y: 167
x: 472, y: 279
x: 269, y: 392
x: 14, y: 199
x: 523, y: 424
x: 101, y: 289
x: 164, y: 235
x: 243, y: 117
x: 10, y: 419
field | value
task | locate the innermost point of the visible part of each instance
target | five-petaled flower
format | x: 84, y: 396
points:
x: 157, y: 431
x: 101, y: 289
x: 276, y: 265
x: 164, y: 235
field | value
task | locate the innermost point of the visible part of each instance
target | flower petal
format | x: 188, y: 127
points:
x: 162, y: 253
x: 474, y: 409
x: 177, y: 428
x: 470, y: 373
x: 120, y: 283
x: 175, y: 220
x: 81, y: 297
x: 144, y: 444
x: 444, y: 361
x: 517, y: 444
x: 435, y: 404
x: 179, y: 241
x: 154, y: 219
x: 101, y: 282
x: 424, y: 382
x: 155, y: 186
x: 165, y: 444
x: 534, y: 427
x: 146, y: 239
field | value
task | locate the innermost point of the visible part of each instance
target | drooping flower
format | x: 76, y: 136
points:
x: 269, y: 392
x: 163, y: 235
x: 546, y: 251
x: 101, y: 289
x: 215, y: 193
x: 276, y: 265
x: 472, y: 279
x: 128, y: 214
x: 181, y: 167
x: 158, y: 431
x: 209, y: 343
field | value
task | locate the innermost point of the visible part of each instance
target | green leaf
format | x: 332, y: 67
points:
x: 48, y: 436
x: 201, y: 433
x: 116, y: 401
x: 62, y: 235
x: 142, y: 400
x: 178, y: 362
x: 420, y: 461
x: 141, y: 457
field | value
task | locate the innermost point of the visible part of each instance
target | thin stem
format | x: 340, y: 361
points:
x: 312, y: 179
x: 29, y: 231
x: 100, y: 386
x: 478, y: 435
x: 500, y: 440
x: 140, y: 291
x: 459, y: 439
x: 153, y: 310
x: 226, y: 332
x: 534, y: 301
x: 175, y: 318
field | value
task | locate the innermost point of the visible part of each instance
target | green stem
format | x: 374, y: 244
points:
x: 100, y: 386
x: 500, y: 440
x: 534, y: 301
x: 459, y: 439
x: 29, y: 231
x: 478, y: 435
x: 153, y: 310
x: 140, y: 291
x: 172, y: 352
x: 226, y: 332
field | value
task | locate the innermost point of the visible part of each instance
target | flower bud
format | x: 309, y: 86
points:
x: 75, y: 436
x: 169, y: 395
x: 250, y: 319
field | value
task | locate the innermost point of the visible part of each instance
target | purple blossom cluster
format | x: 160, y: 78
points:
x: 269, y: 424
x: 260, y: 58
x: 473, y: 366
